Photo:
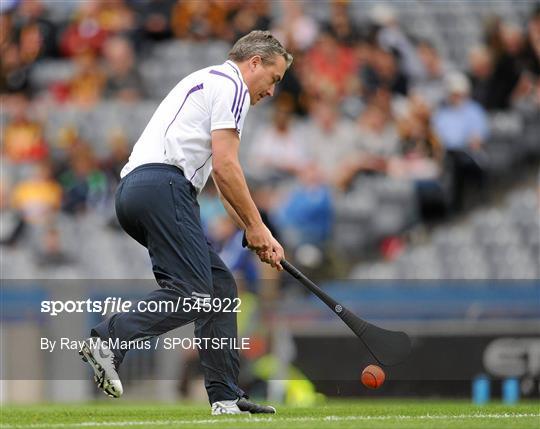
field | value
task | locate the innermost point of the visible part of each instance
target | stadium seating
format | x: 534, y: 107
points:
x: 500, y: 242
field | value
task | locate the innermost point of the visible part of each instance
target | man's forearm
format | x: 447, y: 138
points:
x: 230, y: 210
x: 233, y: 189
x: 232, y: 213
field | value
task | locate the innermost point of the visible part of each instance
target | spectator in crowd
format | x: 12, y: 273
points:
x: 38, y: 197
x: 481, y: 75
x: 527, y: 96
x: 462, y: 123
x: 382, y: 71
x: 390, y: 37
x: 201, y: 20
x: 292, y: 89
x: 492, y: 35
x: 85, y: 88
x: 506, y: 71
x: 421, y: 153
x: 14, y: 72
x: 297, y: 39
x: 24, y: 140
x: 117, y: 18
x: 430, y: 81
x: 49, y: 250
x: 532, y: 49
x: 280, y: 150
x: 153, y: 17
x: 85, y: 185
x: 421, y: 157
x: 306, y: 215
x: 341, y: 24
x: 376, y: 132
x: 117, y: 157
x: 264, y: 14
x: 329, y: 67
x: 462, y: 126
x: 509, y: 65
x: 385, y: 101
x: 85, y: 33
x: 356, y: 92
x: 35, y: 29
x: 252, y: 15
x: 30, y: 44
x: 296, y: 30
x: 123, y: 79
x: 6, y: 30
x: 375, y: 143
x: 328, y: 137
x: 66, y: 141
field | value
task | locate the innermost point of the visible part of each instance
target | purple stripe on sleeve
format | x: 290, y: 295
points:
x: 191, y: 91
x: 241, y: 86
x: 239, y: 102
x: 241, y: 107
x: 218, y: 73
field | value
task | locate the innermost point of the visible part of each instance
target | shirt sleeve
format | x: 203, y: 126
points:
x: 222, y: 100
x: 227, y: 99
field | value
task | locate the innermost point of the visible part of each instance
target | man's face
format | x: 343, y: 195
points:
x: 262, y: 79
x: 456, y: 98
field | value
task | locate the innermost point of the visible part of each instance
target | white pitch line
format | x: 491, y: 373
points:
x: 249, y: 419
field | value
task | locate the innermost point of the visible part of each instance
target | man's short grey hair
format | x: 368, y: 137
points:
x: 260, y: 43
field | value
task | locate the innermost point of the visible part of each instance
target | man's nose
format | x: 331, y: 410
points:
x: 271, y: 90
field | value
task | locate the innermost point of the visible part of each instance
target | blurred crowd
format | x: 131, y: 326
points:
x: 362, y: 99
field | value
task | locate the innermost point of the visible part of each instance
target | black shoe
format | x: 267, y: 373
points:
x: 244, y: 405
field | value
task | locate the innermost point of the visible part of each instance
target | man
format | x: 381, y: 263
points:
x: 462, y: 126
x: 194, y: 132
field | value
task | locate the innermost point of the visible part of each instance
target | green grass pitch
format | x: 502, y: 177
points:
x: 365, y: 414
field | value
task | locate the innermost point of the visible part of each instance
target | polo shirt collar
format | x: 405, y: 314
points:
x: 235, y: 66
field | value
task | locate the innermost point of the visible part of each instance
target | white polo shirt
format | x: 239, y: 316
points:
x: 178, y: 133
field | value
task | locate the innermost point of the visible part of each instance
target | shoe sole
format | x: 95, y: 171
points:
x: 261, y: 409
x: 270, y: 410
x: 100, y: 376
x: 232, y: 414
x: 273, y: 411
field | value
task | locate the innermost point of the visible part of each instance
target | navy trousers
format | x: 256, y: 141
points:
x: 157, y: 206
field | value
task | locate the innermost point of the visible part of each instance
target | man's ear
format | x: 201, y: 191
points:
x: 254, y: 62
